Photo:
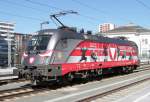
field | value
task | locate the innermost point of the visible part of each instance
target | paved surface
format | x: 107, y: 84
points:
x: 7, y: 73
x: 73, y: 93
x: 4, y: 71
x: 137, y: 93
x: 142, y: 95
x: 13, y: 85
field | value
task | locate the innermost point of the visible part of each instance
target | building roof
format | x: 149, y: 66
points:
x: 129, y: 28
x: 7, y: 22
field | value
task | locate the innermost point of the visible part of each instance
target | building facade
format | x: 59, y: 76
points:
x: 138, y: 34
x: 6, y: 35
x: 106, y: 27
x: 20, y: 46
x: 6, y: 27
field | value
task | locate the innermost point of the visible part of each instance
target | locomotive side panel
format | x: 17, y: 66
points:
x: 61, y: 54
x: 90, y: 55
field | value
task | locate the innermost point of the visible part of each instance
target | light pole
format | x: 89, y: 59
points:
x: 9, y: 48
x: 140, y: 48
x: 8, y: 39
x: 9, y: 51
x: 139, y: 40
x: 148, y: 54
x: 41, y: 24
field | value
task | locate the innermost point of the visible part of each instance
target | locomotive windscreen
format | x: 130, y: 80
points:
x: 38, y: 42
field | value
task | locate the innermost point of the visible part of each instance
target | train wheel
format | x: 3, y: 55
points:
x: 131, y: 69
x: 28, y: 76
x: 20, y: 75
x: 119, y: 70
x: 70, y: 77
x: 62, y: 81
x: 99, y: 74
x: 125, y: 70
x: 85, y: 77
x: 34, y: 83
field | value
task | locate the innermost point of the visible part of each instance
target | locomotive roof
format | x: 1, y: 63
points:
x: 68, y: 34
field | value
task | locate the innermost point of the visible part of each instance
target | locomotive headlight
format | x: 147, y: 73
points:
x: 25, y: 55
x: 31, y: 60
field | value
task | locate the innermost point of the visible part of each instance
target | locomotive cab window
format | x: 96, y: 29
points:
x: 38, y: 42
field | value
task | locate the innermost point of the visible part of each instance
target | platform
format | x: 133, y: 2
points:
x: 7, y: 73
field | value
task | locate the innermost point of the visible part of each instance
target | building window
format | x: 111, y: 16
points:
x: 145, y: 41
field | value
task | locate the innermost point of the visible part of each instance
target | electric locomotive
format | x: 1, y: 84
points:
x: 63, y: 53
x: 55, y: 53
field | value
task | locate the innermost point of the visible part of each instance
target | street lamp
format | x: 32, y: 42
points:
x: 41, y: 24
x: 140, y: 48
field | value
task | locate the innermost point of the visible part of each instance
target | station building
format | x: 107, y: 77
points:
x: 6, y: 27
x: 136, y: 33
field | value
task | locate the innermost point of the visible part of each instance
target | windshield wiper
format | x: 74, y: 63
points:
x: 36, y: 44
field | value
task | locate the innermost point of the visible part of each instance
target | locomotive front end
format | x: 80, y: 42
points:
x: 36, y: 58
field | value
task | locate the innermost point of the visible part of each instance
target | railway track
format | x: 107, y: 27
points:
x: 143, y: 68
x: 8, y: 94
x: 101, y: 97
x: 13, y: 94
x: 5, y: 82
x: 109, y: 95
x: 26, y: 91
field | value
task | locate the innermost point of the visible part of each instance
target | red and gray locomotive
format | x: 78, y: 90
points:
x: 55, y: 54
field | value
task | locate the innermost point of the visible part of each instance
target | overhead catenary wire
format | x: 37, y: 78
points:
x: 143, y: 4
x: 97, y: 10
x: 92, y: 19
x: 42, y: 4
x: 18, y: 15
x: 88, y: 6
x: 23, y: 5
x: 25, y: 17
x: 91, y: 7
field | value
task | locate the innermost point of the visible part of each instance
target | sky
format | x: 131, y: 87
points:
x: 28, y: 14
